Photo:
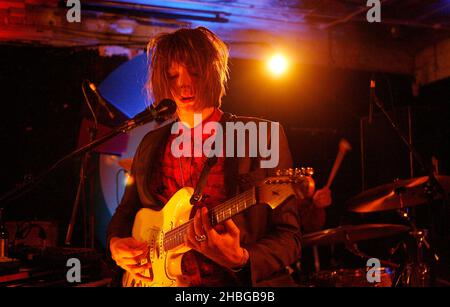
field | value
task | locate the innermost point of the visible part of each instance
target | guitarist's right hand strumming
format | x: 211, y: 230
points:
x: 131, y: 255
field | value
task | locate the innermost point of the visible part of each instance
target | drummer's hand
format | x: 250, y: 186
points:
x: 131, y: 255
x: 322, y: 198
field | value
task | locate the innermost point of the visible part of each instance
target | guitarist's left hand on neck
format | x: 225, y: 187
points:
x: 222, y: 244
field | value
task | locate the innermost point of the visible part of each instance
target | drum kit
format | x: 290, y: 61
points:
x: 402, y: 196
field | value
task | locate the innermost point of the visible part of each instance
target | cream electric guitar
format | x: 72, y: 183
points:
x: 165, y: 230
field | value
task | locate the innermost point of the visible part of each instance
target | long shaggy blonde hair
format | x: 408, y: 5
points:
x: 198, y: 48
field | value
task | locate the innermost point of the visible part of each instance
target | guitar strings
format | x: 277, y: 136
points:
x: 173, y: 235
x: 238, y: 199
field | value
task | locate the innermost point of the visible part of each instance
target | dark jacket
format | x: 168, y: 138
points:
x: 272, y: 237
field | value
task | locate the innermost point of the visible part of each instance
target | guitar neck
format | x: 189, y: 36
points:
x: 217, y: 215
x: 232, y: 207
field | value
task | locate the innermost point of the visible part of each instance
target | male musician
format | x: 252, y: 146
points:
x: 190, y: 66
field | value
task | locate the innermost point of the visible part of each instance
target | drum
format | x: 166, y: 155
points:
x: 352, y: 278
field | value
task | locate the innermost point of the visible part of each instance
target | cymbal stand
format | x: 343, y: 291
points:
x: 432, y: 188
x: 415, y: 272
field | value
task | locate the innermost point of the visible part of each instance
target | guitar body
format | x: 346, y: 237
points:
x: 150, y: 226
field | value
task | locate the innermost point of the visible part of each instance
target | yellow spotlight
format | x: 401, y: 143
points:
x: 277, y: 65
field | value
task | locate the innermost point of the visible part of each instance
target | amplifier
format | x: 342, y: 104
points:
x: 39, y: 234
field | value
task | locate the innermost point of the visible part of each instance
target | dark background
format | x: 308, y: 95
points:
x: 42, y: 108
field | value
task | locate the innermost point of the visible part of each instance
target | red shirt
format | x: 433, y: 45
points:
x: 175, y: 173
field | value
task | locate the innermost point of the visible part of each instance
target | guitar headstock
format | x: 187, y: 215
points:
x: 286, y: 183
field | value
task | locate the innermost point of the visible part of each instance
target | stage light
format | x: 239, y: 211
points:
x: 277, y: 65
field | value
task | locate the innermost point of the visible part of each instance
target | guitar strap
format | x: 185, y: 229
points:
x: 197, y: 196
x: 210, y: 162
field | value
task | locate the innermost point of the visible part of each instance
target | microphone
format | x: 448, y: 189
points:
x: 163, y: 110
x: 372, y: 98
x: 100, y: 99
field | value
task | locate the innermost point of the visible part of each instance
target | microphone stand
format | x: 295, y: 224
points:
x: 431, y: 188
x: 142, y: 118
x: 81, y: 195
x: 86, y: 151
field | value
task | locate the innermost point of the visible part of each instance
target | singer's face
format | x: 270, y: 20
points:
x: 182, y: 86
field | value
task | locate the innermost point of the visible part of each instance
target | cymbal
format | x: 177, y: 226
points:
x: 126, y: 163
x: 395, y: 195
x: 352, y: 233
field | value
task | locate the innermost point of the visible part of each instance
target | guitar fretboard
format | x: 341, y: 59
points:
x: 217, y: 215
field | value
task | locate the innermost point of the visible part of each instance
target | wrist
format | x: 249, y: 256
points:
x: 242, y: 261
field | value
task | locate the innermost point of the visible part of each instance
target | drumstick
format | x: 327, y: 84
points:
x: 344, y: 146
